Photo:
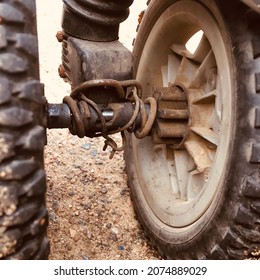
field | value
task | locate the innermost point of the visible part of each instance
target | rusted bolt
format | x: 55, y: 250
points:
x: 60, y: 36
x: 62, y: 72
x: 140, y: 17
x: 42, y: 222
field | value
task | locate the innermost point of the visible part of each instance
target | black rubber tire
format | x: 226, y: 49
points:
x: 23, y: 216
x: 231, y: 230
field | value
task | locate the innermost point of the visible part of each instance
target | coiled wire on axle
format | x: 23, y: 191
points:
x: 80, y: 105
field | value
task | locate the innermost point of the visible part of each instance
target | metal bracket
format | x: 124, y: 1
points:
x: 86, y: 61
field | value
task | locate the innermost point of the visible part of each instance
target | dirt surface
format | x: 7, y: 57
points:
x: 90, y: 210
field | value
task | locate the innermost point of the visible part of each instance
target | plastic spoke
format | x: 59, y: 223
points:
x: 205, y: 73
x: 194, y: 184
x: 172, y: 172
x: 181, y: 158
x: 198, y: 55
x: 174, y: 63
x: 186, y: 72
x: 180, y: 49
x: 215, y: 122
x: 198, y: 152
x: 206, y: 98
x: 202, y: 50
x: 164, y: 72
x: 206, y: 133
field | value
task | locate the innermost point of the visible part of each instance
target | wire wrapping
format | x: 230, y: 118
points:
x: 79, y: 105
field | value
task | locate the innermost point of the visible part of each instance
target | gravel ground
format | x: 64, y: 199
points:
x: 90, y: 210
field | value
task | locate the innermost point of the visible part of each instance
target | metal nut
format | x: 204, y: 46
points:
x: 62, y: 72
x: 60, y: 36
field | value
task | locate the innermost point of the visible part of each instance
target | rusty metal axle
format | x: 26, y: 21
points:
x: 164, y: 116
x: 84, y: 116
x: 115, y: 114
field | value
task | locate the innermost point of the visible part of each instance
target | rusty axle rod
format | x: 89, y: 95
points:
x: 165, y: 116
x: 115, y: 114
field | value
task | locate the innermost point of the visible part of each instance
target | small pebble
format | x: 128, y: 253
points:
x: 88, y: 206
x: 109, y: 226
x: 104, y: 190
x: 124, y: 191
x: 114, y: 237
x: 73, y: 233
x: 115, y: 230
x: 52, y: 217
x: 86, y: 146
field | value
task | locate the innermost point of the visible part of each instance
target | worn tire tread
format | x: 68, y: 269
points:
x: 23, y: 215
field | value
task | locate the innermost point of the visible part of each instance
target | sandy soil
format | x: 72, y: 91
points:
x: 90, y: 210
